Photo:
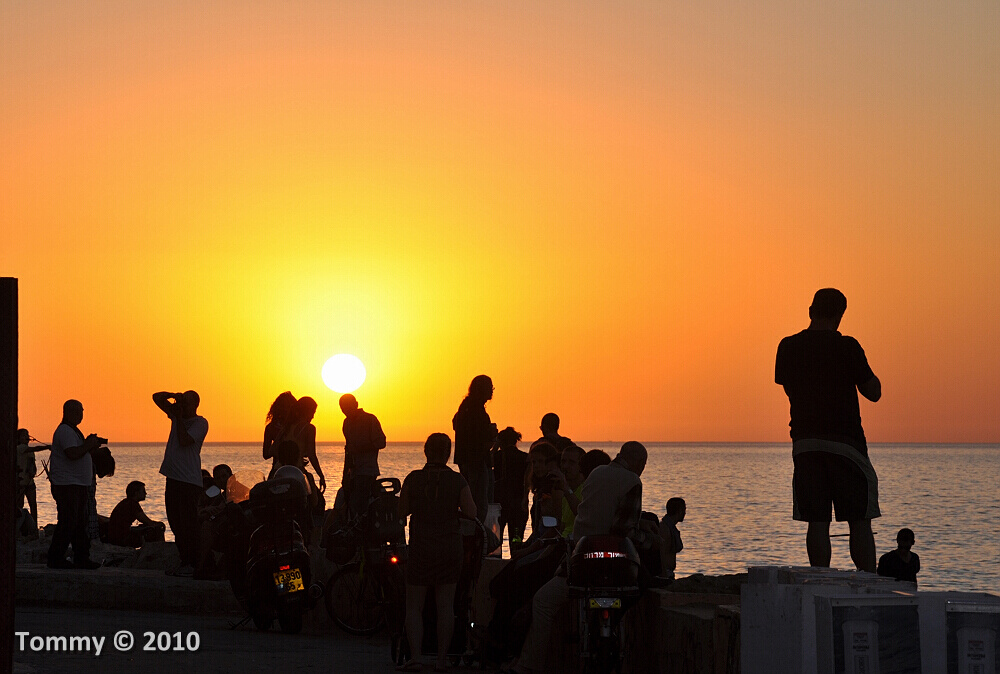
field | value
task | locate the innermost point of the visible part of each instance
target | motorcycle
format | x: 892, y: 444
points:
x: 276, y: 580
x: 602, y: 577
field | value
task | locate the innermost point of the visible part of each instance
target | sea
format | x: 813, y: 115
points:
x: 739, y: 504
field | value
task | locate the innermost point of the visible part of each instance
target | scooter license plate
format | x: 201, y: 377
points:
x: 605, y: 602
x: 290, y: 579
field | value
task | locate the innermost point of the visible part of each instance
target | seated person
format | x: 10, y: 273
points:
x: 210, y: 504
x: 671, y: 537
x: 128, y: 510
x: 900, y: 563
x: 544, y: 481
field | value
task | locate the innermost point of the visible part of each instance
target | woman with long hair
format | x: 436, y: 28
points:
x: 305, y: 436
x: 475, y: 436
x: 276, y: 424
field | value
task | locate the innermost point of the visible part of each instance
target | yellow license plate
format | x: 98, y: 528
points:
x: 605, y: 603
x: 291, y: 579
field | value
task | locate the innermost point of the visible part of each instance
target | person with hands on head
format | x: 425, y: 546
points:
x: 182, y: 469
x: 71, y: 472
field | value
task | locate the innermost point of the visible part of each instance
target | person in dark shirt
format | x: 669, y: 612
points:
x: 550, y: 432
x: 363, y: 438
x: 509, y: 467
x: 671, y: 536
x: 822, y: 372
x: 475, y: 436
x: 900, y: 563
x: 128, y: 510
x: 593, y: 459
x: 433, y: 497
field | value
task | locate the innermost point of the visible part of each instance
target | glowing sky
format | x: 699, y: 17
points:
x: 614, y: 210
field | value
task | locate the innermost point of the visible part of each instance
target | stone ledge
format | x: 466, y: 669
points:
x: 121, y: 589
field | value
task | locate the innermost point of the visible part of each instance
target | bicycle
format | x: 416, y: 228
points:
x: 366, y: 595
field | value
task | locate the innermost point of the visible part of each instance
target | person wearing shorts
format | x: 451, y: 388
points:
x: 822, y: 372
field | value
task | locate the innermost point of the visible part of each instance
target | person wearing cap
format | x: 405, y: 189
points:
x: 822, y: 372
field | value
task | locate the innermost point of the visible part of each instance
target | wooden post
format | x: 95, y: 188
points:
x: 8, y: 466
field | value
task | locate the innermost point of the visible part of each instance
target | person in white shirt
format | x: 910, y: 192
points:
x: 71, y: 472
x: 182, y: 468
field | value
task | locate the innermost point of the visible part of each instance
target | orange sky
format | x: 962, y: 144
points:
x: 615, y: 211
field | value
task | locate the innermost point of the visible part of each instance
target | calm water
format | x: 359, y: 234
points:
x: 738, y: 498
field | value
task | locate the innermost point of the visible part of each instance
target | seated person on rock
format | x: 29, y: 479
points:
x: 128, y: 510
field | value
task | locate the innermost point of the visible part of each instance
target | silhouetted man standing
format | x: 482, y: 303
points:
x: 822, y: 372
x: 363, y: 438
x: 182, y: 468
x: 71, y: 472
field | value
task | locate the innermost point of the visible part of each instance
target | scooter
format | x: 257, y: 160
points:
x: 278, y: 581
x: 603, y: 579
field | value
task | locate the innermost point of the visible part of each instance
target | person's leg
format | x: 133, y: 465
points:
x: 77, y: 497
x: 544, y: 607
x: 476, y: 477
x: 92, y: 522
x: 62, y: 535
x: 32, y: 501
x: 171, y: 504
x: 444, y: 598
x: 415, y: 619
x: 818, y: 544
x: 187, y: 536
x: 862, y: 545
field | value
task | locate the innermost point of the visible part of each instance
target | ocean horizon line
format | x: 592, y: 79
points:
x: 711, y: 443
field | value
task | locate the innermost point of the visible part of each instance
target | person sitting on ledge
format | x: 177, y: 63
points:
x: 128, y: 510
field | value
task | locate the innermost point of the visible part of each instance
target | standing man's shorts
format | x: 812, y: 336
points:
x: 828, y: 472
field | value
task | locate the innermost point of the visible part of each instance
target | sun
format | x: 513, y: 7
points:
x: 343, y: 373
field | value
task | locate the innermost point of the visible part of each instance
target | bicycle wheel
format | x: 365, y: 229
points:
x: 352, y: 601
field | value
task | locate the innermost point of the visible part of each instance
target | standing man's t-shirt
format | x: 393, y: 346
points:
x: 184, y: 463
x: 363, y: 438
x: 820, y: 371
x: 64, y: 470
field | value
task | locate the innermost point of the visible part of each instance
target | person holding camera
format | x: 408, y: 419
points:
x: 182, y: 468
x: 71, y: 472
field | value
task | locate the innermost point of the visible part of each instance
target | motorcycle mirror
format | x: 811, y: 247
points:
x: 550, y: 522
